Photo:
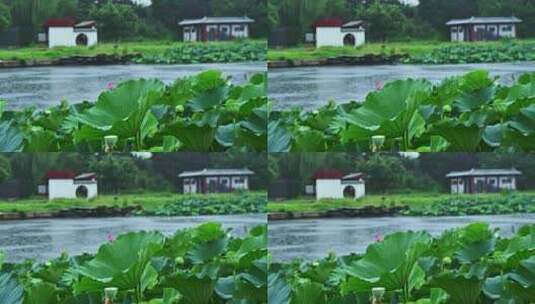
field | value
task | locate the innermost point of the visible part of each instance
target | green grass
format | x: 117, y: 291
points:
x: 147, y: 48
x: 413, y: 49
x: 149, y: 202
x: 415, y: 201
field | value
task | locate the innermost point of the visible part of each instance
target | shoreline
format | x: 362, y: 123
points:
x: 96, y: 60
x: 78, y: 212
x: 364, y: 212
x: 369, y: 59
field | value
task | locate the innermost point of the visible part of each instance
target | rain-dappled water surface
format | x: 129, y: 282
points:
x: 313, y: 87
x: 314, y: 239
x: 47, y: 86
x: 45, y: 239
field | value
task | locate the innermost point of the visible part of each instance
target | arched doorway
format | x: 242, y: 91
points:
x: 82, y: 192
x: 349, y: 192
x: 82, y: 40
x: 349, y: 40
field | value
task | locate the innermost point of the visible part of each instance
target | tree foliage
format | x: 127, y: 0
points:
x: 395, y: 19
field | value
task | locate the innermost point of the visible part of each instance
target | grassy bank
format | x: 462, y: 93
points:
x: 415, y: 50
x: 419, y: 203
x: 179, y: 51
x: 152, y: 203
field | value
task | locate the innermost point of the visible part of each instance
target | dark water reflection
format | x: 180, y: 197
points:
x: 46, y: 239
x: 313, y: 239
x: 313, y: 87
x: 46, y: 86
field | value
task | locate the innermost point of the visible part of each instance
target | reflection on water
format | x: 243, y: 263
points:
x: 313, y: 87
x: 47, y: 238
x: 46, y: 86
x: 314, y: 239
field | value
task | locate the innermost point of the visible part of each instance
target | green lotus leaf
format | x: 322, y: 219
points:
x: 10, y: 291
x: 525, y: 122
x: 41, y: 293
x: 461, y: 289
x: 308, y: 293
x: 391, y: 264
x: 278, y: 137
x: 278, y: 289
x: 460, y: 137
x: 10, y: 138
x: 123, y: 264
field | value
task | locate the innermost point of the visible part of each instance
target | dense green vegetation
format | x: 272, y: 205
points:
x: 478, y: 205
x: 477, y: 53
x: 124, y: 175
x: 151, y: 51
x: 127, y: 19
x: 419, y: 52
x: 210, y: 53
x: 219, y: 204
x: 391, y: 176
x: 420, y: 204
x: 150, y: 204
x: 468, y: 265
x: 202, y: 265
x: 199, y: 113
x: 470, y: 113
x: 394, y: 20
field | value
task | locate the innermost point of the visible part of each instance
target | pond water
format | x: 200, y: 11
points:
x: 313, y: 87
x: 314, y: 239
x: 44, y: 239
x: 46, y: 86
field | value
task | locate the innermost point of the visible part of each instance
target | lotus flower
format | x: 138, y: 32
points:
x: 111, y: 85
x: 378, y: 237
x: 379, y: 85
x: 111, y: 238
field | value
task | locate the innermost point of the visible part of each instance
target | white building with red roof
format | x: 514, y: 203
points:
x: 67, y: 32
x: 334, y: 184
x: 69, y: 185
x: 337, y: 33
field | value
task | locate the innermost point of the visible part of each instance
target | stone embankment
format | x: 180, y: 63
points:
x: 368, y: 211
x: 100, y: 59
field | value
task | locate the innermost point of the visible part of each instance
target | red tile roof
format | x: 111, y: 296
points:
x: 328, y: 174
x: 60, y: 22
x: 57, y: 174
x: 329, y: 22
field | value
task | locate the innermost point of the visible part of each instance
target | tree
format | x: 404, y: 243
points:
x: 116, y: 21
x: 5, y: 17
x: 114, y: 172
x: 5, y: 169
x: 384, y: 20
x: 30, y: 15
x: 383, y: 173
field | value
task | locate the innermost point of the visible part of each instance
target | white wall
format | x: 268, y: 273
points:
x: 240, y: 34
x: 61, y: 36
x: 328, y: 36
x: 66, y: 188
x: 92, y: 36
x: 328, y: 188
x: 240, y: 186
x: 457, y: 188
x: 333, y: 36
x: 92, y: 189
x: 334, y: 189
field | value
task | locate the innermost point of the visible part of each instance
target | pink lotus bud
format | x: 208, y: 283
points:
x: 111, y: 239
x: 378, y: 238
x: 111, y: 85
x: 379, y: 85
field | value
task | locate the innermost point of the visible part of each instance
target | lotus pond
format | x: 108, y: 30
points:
x: 468, y: 265
x: 203, y: 113
x: 201, y: 265
x: 470, y: 113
